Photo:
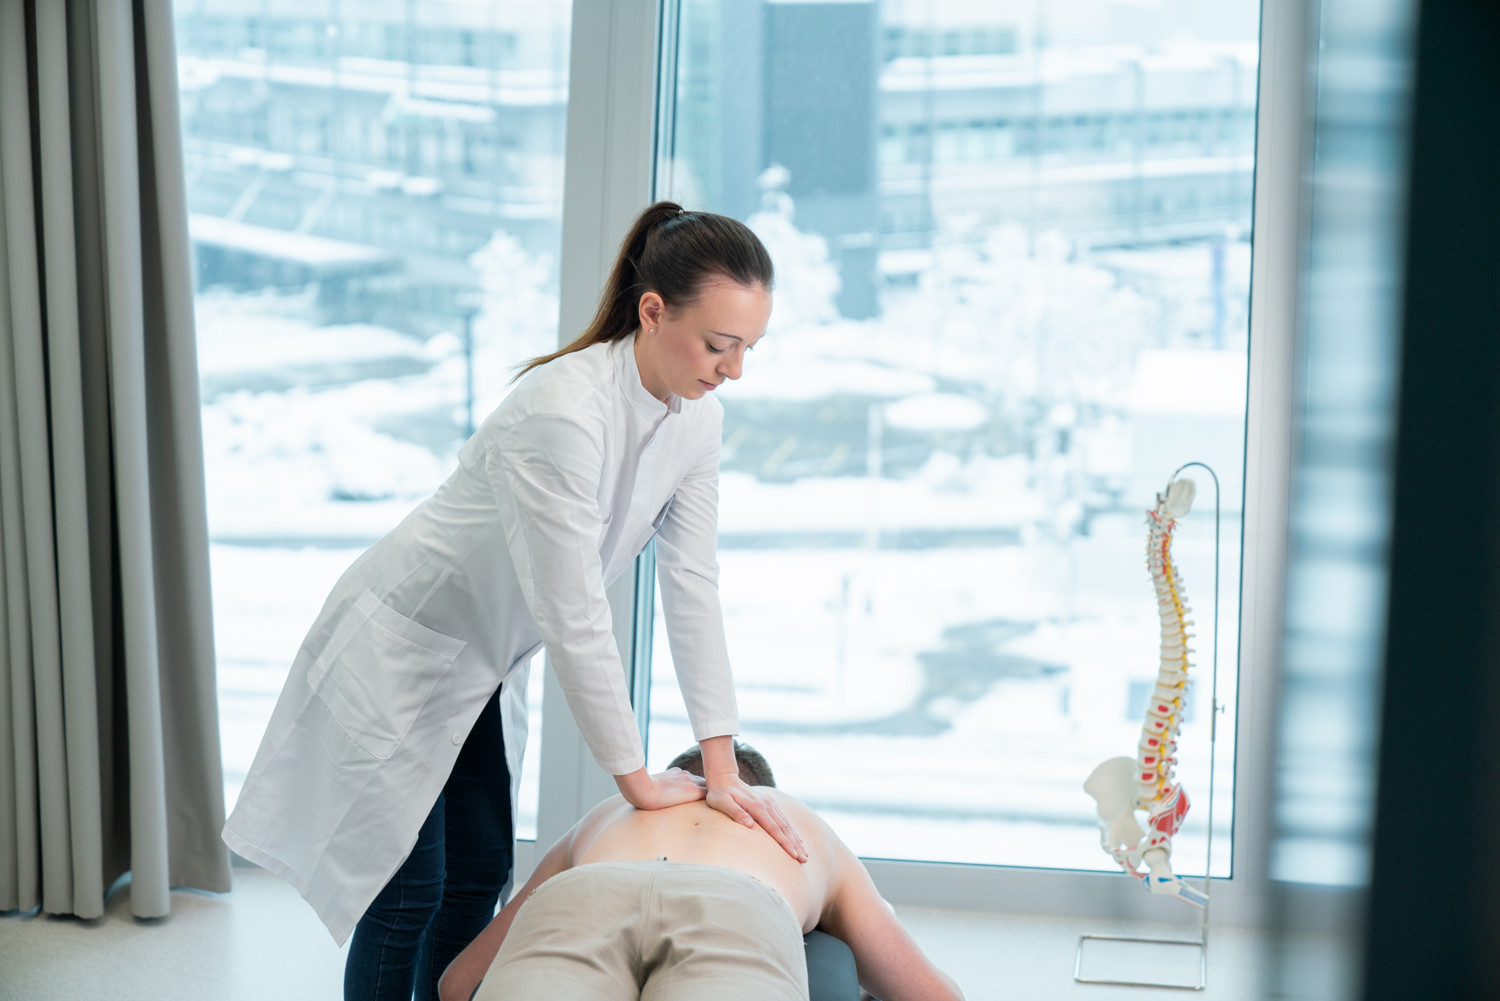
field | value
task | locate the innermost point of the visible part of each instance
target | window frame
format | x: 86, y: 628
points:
x: 610, y: 152
x: 619, y: 116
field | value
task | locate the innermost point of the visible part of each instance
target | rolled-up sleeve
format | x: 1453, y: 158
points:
x: 545, y: 473
x: 688, y: 573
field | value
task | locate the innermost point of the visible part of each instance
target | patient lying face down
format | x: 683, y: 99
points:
x: 685, y: 903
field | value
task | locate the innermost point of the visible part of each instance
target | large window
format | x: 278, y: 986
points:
x: 375, y: 193
x: 1013, y: 253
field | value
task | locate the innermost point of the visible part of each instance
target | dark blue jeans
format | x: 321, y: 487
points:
x: 446, y: 891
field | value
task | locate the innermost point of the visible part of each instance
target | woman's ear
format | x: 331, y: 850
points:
x: 651, y: 309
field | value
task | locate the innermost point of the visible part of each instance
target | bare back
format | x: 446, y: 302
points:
x: 698, y: 834
x: 831, y: 889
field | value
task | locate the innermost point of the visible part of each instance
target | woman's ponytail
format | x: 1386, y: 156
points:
x: 616, y: 315
x: 671, y: 252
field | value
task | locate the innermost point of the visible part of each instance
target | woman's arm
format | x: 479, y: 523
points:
x: 687, y: 571
x: 672, y: 787
x: 545, y: 474
x: 687, y: 567
x: 742, y: 803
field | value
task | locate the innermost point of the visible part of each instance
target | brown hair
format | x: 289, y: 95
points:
x: 753, y: 768
x: 671, y: 252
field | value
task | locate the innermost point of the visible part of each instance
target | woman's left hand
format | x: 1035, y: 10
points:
x: 672, y: 787
x: 752, y: 805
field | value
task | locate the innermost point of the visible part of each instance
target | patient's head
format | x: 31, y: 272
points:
x: 753, y: 768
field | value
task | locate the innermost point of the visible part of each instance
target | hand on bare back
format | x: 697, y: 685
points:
x: 754, y: 807
x: 672, y: 787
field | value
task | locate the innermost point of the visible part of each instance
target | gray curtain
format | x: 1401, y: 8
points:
x: 109, y: 740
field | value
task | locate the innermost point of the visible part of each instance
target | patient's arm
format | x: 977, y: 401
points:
x: 891, y: 965
x: 468, y: 968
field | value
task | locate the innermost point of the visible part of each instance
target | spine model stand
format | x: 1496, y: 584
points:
x: 1121, y: 786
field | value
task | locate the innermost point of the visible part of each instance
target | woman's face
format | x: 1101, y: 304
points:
x: 692, y: 350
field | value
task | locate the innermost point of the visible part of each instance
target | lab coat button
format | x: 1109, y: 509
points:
x: 458, y: 738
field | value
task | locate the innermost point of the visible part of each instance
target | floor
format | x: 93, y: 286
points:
x: 262, y: 942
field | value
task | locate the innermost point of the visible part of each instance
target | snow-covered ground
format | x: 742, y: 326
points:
x: 970, y: 746
x: 940, y: 699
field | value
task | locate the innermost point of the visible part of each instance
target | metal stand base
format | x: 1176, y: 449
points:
x: 1200, y: 946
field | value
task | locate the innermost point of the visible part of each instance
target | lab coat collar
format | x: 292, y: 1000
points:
x: 644, y: 403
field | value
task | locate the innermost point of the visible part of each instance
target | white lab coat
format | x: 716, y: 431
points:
x: 554, y: 497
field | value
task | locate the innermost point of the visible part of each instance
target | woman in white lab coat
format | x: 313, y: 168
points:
x: 384, y: 788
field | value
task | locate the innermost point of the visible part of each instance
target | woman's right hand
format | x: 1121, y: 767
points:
x: 672, y: 787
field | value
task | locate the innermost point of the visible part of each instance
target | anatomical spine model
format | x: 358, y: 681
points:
x: 1122, y: 786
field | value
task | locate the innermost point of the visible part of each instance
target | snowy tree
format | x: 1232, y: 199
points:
x: 517, y: 319
x: 1024, y: 318
x: 807, y: 282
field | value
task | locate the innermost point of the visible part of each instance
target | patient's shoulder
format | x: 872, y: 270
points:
x: 803, y: 816
x: 828, y: 856
x: 587, y: 830
x: 843, y: 875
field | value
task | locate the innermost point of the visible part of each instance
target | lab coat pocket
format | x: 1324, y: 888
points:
x: 377, y: 671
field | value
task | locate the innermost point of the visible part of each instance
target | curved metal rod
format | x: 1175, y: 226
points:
x: 1213, y: 725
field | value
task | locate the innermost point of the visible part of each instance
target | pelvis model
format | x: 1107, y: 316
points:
x: 1122, y: 786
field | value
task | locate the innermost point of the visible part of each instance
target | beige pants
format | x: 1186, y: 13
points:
x: 658, y: 931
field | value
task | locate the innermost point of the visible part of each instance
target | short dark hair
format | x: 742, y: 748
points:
x: 753, y: 768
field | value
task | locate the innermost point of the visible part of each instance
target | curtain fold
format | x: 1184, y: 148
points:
x: 109, y: 719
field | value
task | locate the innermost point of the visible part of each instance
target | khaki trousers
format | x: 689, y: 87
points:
x: 657, y: 931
